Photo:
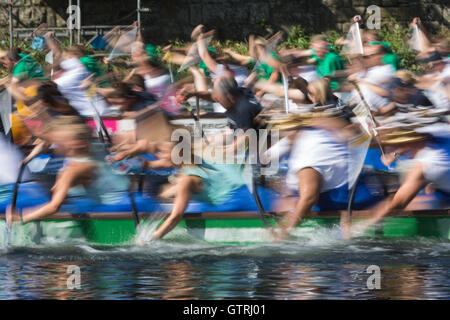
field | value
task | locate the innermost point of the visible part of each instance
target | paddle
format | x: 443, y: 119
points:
x: 23, y: 165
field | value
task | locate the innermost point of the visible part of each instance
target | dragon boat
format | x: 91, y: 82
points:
x: 243, y: 219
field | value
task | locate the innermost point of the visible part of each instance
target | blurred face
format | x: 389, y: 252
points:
x: 125, y: 104
x: 139, y: 57
x: 65, y: 141
x: 8, y: 64
x: 372, y: 56
x: 320, y: 47
x: 402, y: 94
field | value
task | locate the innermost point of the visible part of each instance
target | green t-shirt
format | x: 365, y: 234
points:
x: 26, y: 68
x: 91, y: 65
x: 390, y: 57
x: 328, y: 66
x: 263, y: 70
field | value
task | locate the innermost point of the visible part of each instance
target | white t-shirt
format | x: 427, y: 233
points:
x: 379, y: 76
x: 318, y: 149
x: 436, y: 167
x: 157, y: 86
x: 436, y: 93
x: 69, y: 85
x: 9, y: 162
x: 309, y: 73
x: 240, y: 73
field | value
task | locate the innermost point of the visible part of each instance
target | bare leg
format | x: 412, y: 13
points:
x: 11, y: 216
x: 413, y: 183
x: 185, y: 187
x: 309, y: 187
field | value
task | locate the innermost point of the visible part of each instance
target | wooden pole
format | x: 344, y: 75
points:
x: 139, y: 13
x: 11, y: 36
x: 71, y: 26
x: 78, y: 22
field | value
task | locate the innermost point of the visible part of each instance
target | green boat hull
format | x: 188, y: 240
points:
x: 212, y: 230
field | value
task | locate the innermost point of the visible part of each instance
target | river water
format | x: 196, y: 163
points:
x: 321, y: 267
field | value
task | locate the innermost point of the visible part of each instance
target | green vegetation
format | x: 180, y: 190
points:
x: 296, y: 37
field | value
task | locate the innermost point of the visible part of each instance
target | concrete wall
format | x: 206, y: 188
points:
x: 233, y: 19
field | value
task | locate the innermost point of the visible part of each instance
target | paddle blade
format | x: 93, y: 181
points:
x: 49, y: 57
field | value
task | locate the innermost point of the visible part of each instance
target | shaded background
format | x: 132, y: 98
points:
x: 233, y: 19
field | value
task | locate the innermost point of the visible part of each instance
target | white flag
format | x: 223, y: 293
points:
x: 353, y: 43
x: 49, y: 57
x: 5, y: 110
x: 124, y: 44
x: 416, y: 41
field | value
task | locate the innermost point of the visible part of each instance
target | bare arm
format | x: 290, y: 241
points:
x: 53, y: 46
x: 376, y: 89
x: 204, y: 54
x: 39, y: 148
x: 278, y: 90
x: 241, y: 59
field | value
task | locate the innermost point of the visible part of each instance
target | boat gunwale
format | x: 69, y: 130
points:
x: 357, y: 214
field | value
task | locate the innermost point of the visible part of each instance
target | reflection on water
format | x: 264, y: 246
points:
x: 411, y: 269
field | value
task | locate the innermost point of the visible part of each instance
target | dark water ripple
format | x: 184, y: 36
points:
x: 411, y: 269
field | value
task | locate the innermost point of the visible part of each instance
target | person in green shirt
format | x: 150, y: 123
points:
x: 321, y: 54
x: 264, y: 66
x: 22, y: 66
x: 389, y: 57
x: 90, y: 63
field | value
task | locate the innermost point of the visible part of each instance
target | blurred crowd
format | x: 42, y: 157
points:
x: 320, y: 100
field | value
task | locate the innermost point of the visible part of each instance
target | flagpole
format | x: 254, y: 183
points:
x: 71, y: 26
x: 78, y: 22
x: 359, y: 39
x: 286, y: 98
x: 11, y: 37
x: 139, y: 13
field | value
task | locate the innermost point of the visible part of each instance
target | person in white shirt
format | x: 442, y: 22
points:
x: 437, y: 80
x: 69, y: 84
x: 430, y: 165
x: 374, y: 76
